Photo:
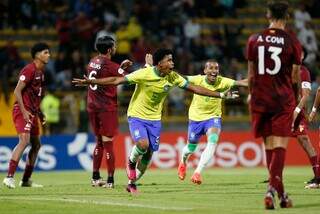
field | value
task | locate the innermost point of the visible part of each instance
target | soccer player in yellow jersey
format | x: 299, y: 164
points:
x: 205, y: 117
x: 144, y: 112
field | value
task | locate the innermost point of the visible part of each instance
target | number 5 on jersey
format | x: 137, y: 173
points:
x: 275, y: 51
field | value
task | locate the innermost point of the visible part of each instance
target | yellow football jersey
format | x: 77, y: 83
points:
x: 151, y: 91
x: 204, y: 107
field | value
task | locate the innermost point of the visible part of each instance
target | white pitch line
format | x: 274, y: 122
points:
x: 98, y: 202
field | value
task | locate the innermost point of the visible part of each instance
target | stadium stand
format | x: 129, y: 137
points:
x: 194, y: 29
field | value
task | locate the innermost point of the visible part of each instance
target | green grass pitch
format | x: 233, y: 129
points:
x: 223, y: 191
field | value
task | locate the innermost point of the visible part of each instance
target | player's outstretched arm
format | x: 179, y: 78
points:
x: 241, y: 83
x: 250, y: 72
x: 101, y: 81
x: 206, y: 92
x: 315, y: 107
x: 203, y: 91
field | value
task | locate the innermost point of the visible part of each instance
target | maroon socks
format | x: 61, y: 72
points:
x: 12, y: 168
x: 276, y: 169
x: 108, y: 148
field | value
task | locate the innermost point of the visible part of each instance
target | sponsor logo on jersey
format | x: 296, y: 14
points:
x: 120, y: 71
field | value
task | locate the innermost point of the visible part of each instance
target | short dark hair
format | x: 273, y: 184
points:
x: 160, y: 54
x: 104, y: 43
x: 38, y: 47
x: 278, y: 9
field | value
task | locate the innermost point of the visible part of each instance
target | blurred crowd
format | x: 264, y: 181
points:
x: 139, y: 27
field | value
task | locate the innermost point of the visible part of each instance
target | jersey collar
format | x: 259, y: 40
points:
x: 209, y: 82
x: 156, y: 71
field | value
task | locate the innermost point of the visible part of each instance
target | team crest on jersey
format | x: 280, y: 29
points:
x: 207, y: 99
x: 22, y: 78
x: 166, y: 87
x: 137, y: 133
x: 120, y: 71
x: 95, y: 65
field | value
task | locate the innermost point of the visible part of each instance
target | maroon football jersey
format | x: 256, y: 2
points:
x: 273, y: 52
x: 33, y: 91
x: 102, y: 98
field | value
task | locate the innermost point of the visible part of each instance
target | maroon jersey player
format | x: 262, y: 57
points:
x: 301, y: 127
x: 102, y: 108
x: 274, y: 59
x: 26, y: 114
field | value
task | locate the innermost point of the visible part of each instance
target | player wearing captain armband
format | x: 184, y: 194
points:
x: 315, y: 107
x: 205, y: 118
x: 145, y: 109
x: 301, y: 126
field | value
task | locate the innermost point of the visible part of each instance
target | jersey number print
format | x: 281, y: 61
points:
x: 275, y: 51
x: 92, y: 76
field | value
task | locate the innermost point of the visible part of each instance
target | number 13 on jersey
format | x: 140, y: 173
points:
x: 275, y: 52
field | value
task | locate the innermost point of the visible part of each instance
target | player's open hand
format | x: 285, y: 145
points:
x: 231, y: 95
x: 312, y: 115
x: 27, y: 116
x: 81, y: 82
x: 149, y: 59
x: 125, y: 64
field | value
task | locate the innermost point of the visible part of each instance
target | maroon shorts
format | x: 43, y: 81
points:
x: 300, y: 125
x: 272, y: 124
x: 104, y: 123
x: 25, y: 127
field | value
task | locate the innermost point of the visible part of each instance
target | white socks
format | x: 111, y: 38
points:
x: 206, y: 157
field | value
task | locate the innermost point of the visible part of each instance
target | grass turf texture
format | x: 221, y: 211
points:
x: 223, y: 191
